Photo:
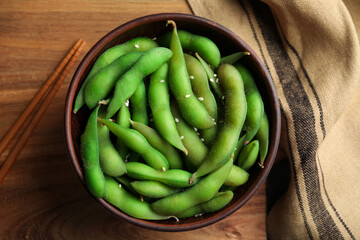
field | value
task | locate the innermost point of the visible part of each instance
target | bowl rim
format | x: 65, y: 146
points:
x: 71, y: 93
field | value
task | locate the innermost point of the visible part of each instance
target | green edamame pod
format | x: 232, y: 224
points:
x: 89, y: 147
x: 239, y: 146
x: 160, y: 144
x: 201, y: 192
x: 194, y: 43
x: 103, y: 82
x: 138, y: 143
x: 254, y: 101
x: 125, y: 87
x: 141, y: 44
x: 159, y: 101
x: 237, y: 177
x: 110, y: 161
x: 233, y: 58
x: 248, y: 155
x: 214, y: 81
x: 126, y: 182
x: 190, y: 107
x: 196, y: 148
x: 220, y: 200
x: 263, y: 136
x: 153, y: 189
x: 138, y: 102
x: 201, y: 89
x: 235, y: 113
x: 128, y: 203
x: 123, y: 120
x: 174, y: 177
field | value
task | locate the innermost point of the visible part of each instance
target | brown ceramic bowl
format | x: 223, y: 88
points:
x: 228, y: 42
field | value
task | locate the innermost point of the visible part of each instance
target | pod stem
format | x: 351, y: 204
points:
x: 192, y: 178
x: 172, y: 23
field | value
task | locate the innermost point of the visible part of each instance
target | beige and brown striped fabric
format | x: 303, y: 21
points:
x: 312, y: 51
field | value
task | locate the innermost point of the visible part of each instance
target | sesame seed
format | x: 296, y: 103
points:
x: 177, y: 120
x: 191, y: 77
x: 201, y: 99
x: 181, y: 137
x: 187, y: 96
x: 211, y: 80
x: 137, y: 46
x: 162, y: 80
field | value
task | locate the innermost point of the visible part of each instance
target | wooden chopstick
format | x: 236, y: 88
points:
x: 69, y: 61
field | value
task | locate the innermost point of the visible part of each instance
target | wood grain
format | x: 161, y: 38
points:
x: 41, y: 198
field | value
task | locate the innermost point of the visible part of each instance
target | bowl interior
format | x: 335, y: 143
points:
x: 152, y: 26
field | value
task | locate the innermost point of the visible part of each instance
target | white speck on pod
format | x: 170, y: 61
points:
x: 198, y: 133
x: 154, y: 38
x: 181, y: 137
x: 211, y: 80
x: 201, y: 98
x: 215, y: 75
x: 162, y: 80
x: 120, y: 185
x: 223, y: 97
x: 141, y: 198
x: 127, y: 103
x: 195, y: 129
x: 137, y: 46
x: 198, y: 215
x: 163, y: 169
x: 103, y: 102
x: 187, y: 96
x: 202, y: 139
x: 177, y: 120
x: 191, y: 77
x: 217, y: 80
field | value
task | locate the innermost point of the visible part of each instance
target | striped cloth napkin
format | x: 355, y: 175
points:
x: 311, y: 49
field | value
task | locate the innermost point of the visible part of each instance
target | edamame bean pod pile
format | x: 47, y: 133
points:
x: 173, y: 124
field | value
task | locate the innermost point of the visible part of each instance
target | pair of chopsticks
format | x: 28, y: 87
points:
x: 58, y: 76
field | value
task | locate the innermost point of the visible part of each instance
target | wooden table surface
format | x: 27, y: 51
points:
x: 41, y: 197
